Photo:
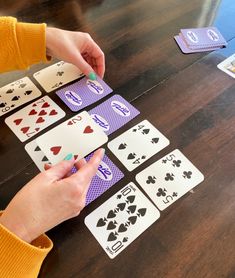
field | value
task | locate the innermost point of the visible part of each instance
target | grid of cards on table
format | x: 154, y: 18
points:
x: 128, y: 213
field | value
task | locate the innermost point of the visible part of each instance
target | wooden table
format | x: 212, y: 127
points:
x: 186, y: 97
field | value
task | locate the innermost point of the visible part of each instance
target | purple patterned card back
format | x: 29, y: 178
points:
x: 113, y: 113
x: 83, y: 93
x: 203, y: 37
x: 107, y: 175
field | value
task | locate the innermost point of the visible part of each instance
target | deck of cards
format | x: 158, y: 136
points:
x: 200, y: 39
x: 127, y: 214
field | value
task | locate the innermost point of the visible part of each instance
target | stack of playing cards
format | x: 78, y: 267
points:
x: 200, y: 39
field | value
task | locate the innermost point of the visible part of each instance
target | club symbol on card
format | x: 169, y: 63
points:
x: 131, y: 156
x: 112, y: 225
x: 32, y: 112
x: 169, y: 177
x: 122, y: 146
x: 155, y: 140
x: 3, y: 104
x: 101, y: 222
x: 130, y: 199
x: 125, y: 239
x: 55, y: 150
x: 174, y: 194
x: 176, y: 163
x: 88, y: 129
x: 187, y: 174
x: 112, y: 236
x: 59, y: 73
x: 9, y: 91
x: 161, y: 192
x: 57, y: 85
x: 18, y: 121
x: 28, y: 92
x: 151, y: 179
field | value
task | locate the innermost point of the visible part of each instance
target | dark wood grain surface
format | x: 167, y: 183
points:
x: 185, y: 96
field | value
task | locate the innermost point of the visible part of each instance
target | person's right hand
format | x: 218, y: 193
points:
x: 50, y: 198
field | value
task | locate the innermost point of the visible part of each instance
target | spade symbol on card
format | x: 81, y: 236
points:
x: 111, y: 214
x: 169, y: 177
x: 112, y: 225
x: 121, y: 206
x: 132, y: 219
x: 37, y: 149
x: 145, y: 131
x: 122, y: 228
x: 55, y: 150
x: 15, y: 98
x: 122, y: 146
x: 88, y: 129
x: 27, y: 93
x: 187, y: 174
x: 131, y: 156
x: 130, y: 199
x: 155, y: 140
x: 134, y: 130
x: 131, y: 209
x: 119, y: 196
x: 125, y: 239
x: 18, y: 121
x: 44, y: 159
x: 9, y: 91
x: 3, y: 104
x: 101, y: 222
x: 142, y: 211
x: 176, y: 163
x: 13, y: 105
x: 112, y: 236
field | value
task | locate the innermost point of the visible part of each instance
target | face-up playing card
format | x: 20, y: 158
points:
x: 78, y: 135
x: 228, y: 66
x: 113, y: 114
x: 169, y: 178
x: 34, y: 118
x: 17, y: 93
x: 57, y: 75
x: 121, y: 219
x: 138, y: 144
x: 83, y: 93
x: 37, y: 155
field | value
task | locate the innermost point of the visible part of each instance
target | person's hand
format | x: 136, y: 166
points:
x: 77, y: 48
x: 50, y: 198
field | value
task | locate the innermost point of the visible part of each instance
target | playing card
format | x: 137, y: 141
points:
x: 113, y: 114
x: 169, y: 178
x: 34, y: 118
x: 36, y: 155
x: 196, y: 38
x: 107, y: 175
x: 184, y: 48
x: 57, y: 75
x: 138, y: 144
x: 228, y: 66
x: 121, y: 219
x: 17, y: 93
x: 78, y: 135
x: 83, y: 93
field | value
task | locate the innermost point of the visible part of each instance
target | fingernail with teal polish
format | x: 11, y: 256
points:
x: 68, y: 156
x: 92, y: 76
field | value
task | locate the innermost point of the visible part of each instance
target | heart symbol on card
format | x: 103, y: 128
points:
x: 40, y: 120
x: 42, y: 113
x: 32, y: 112
x: 45, y: 105
x: 34, y: 105
x: 25, y: 129
x: 53, y: 112
x: 70, y: 123
x: 37, y: 129
x: 55, y: 150
x: 18, y: 121
x: 88, y: 129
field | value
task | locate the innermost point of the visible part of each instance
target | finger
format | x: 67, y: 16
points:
x: 79, y: 164
x: 61, y: 169
x: 81, y: 63
x: 99, y: 58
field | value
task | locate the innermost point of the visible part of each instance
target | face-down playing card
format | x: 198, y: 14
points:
x: 113, y: 114
x: 83, y: 93
x: 169, y: 178
x: 57, y: 75
x: 17, y: 93
x: 34, y: 118
x: 121, y: 219
x: 138, y: 144
x: 79, y: 135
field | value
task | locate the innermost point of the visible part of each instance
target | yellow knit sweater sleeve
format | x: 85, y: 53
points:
x: 18, y: 259
x: 22, y: 44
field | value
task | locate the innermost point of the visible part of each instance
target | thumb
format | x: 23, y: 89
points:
x: 61, y: 169
x: 81, y: 63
